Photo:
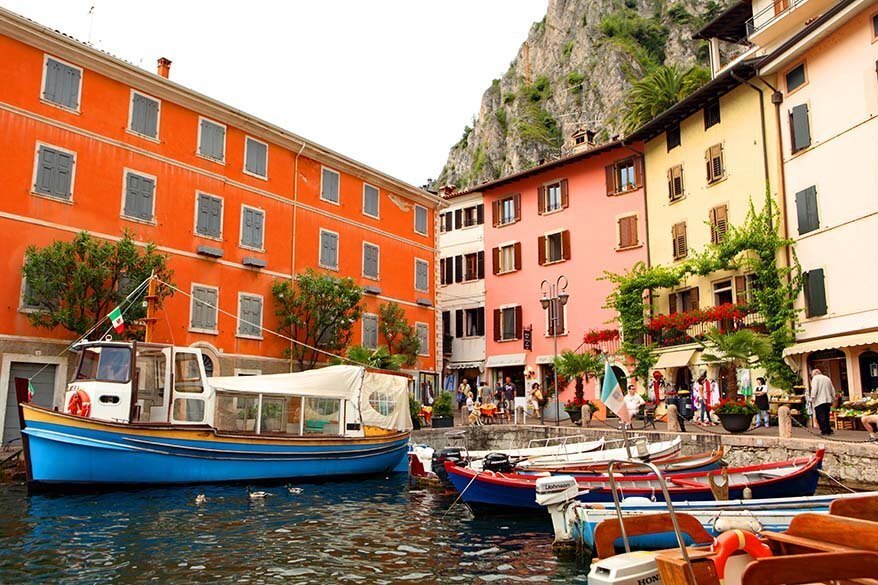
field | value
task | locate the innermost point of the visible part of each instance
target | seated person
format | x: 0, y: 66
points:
x: 870, y: 421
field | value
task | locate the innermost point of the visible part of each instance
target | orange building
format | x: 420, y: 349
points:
x: 91, y: 142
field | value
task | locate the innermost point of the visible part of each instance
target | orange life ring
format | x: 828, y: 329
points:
x: 735, y: 540
x: 79, y: 404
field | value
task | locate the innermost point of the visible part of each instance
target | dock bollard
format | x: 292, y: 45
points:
x: 784, y: 422
x: 673, y: 420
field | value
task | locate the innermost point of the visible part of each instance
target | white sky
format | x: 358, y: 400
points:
x: 390, y: 83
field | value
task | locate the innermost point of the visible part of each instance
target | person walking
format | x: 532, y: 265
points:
x: 537, y: 400
x: 760, y: 395
x: 703, y: 398
x: 821, y: 396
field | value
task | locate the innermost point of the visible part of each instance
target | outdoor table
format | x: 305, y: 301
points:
x: 489, y: 411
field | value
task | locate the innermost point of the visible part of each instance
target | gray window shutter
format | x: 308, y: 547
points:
x: 247, y: 227
x: 45, y: 168
x: 815, y: 293
x: 210, y: 310
x: 54, y: 173
x: 63, y: 175
x: 256, y: 157
x: 806, y: 210
x: 215, y: 205
x: 144, y: 115
x: 370, y: 200
x: 62, y: 84
x: 258, y: 226
x: 329, y: 249
x: 203, y: 308
x: 370, y: 263
x: 203, y: 222
x: 212, y: 139
x: 330, y: 186
x: 801, y: 129
x: 209, y: 214
x: 333, y: 249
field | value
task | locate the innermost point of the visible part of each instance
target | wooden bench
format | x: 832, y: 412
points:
x: 824, y: 533
x: 862, y: 507
x: 812, y: 568
x: 608, y: 531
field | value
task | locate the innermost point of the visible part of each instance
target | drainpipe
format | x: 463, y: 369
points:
x: 295, y: 220
x: 777, y: 100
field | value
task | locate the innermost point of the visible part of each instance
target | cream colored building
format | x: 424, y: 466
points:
x: 707, y: 158
x: 821, y: 59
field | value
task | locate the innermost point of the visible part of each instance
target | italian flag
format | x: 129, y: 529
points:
x: 612, y: 395
x: 118, y: 322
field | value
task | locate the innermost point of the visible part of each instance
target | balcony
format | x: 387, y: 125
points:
x: 778, y: 20
x: 691, y: 326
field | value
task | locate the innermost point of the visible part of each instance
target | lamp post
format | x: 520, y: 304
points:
x: 555, y: 296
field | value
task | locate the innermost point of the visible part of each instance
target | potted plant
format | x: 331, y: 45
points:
x: 443, y: 416
x: 577, y: 366
x: 415, y: 412
x: 578, y: 408
x: 735, y: 414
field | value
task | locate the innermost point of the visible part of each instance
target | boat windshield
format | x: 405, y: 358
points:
x: 289, y: 415
x: 105, y: 364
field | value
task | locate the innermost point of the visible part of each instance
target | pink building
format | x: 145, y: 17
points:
x: 574, y: 217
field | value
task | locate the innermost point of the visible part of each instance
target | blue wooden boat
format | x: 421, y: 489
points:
x: 142, y: 414
x: 490, y: 491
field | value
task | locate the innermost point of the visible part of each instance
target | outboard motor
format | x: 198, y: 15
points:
x: 556, y: 493
x: 498, y: 462
x: 452, y: 454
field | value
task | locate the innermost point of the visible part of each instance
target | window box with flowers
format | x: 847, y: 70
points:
x: 691, y: 326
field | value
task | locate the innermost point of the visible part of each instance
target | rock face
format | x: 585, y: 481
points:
x: 572, y: 73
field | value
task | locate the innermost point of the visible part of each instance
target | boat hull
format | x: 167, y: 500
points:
x: 63, y: 449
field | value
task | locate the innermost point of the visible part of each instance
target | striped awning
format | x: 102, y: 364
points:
x: 830, y: 343
x: 465, y: 365
x: 505, y: 360
x: 675, y: 359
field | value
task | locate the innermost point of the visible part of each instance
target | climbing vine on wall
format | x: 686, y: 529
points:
x: 752, y: 247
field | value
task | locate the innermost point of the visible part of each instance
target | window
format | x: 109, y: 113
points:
x: 252, y: 227
x: 329, y: 249
x: 144, y: 116
x: 507, y: 258
x: 675, y: 183
x: 370, y: 200
x: 470, y: 322
x: 795, y: 78
x: 623, y: 176
x: 471, y: 216
x: 446, y: 222
x: 719, y: 223
x: 507, y: 210
x: 209, y: 216
x: 806, y: 210
x: 815, y: 293
x: 446, y: 270
x: 722, y: 292
x: 446, y: 326
x: 678, y: 240
x: 204, y: 308
x: 628, y: 232
x: 249, y: 315
x: 552, y: 197
x: 255, y: 157
x: 711, y: 114
x: 62, y: 83
x: 507, y: 323
x: 371, y: 254
x: 329, y: 182
x: 474, y: 266
x: 212, y: 140
x: 421, y: 220
x: 683, y: 301
x: 321, y: 416
x: 551, y: 325
x: 422, y: 275
x: 54, y: 172
x: 423, y: 338
x: 105, y: 364
x: 553, y: 248
x: 139, y: 196
x: 672, y: 136
x: 370, y: 331
x: 29, y: 300
x: 745, y: 287
x: 715, y: 165
x: 800, y: 128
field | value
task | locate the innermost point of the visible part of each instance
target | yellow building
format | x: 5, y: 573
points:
x: 706, y: 159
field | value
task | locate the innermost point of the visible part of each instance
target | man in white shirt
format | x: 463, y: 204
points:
x: 633, y: 400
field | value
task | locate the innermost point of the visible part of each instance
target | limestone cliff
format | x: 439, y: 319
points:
x: 572, y: 73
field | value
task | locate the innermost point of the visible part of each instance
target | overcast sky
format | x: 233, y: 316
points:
x: 390, y: 83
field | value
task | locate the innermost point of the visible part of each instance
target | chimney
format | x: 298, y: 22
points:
x: 583, y: 139
x: 164, y: 67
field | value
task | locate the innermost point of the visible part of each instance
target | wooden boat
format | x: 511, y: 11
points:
x: 146, y: 414
x: 673, y: 463
x: 489, y: 491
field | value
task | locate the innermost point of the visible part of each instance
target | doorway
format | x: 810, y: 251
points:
x: 833, y: 363
x: 869, y: 371
x: 42, y: 377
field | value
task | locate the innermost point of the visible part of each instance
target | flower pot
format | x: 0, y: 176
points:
x: 575, y: 415
x: 443, y: 422
x: 735, y: 423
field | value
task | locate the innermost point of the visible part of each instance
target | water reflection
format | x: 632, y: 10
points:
x: 373, y: 531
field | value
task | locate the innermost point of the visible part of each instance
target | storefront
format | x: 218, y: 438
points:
x: 850, y: 361
x: 500, y: 367
x: 473, y: 372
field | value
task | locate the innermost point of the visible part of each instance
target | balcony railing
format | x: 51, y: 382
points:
x: 770, y: 14
x: 692, y: 326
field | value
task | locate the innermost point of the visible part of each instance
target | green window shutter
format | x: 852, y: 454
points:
x: 806, y: 210
x: 800, y: 128
x: 815, y: 293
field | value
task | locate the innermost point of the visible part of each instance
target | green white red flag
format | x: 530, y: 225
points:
x: 118, y: 322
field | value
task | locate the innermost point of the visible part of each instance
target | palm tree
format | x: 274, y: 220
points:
x: 738, y: 349
x: 572, y: 365
x: 660, y: 89
x: 380, y: 357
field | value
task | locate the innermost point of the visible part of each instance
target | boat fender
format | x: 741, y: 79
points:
x: 79, y: 404
x: 726, y: 523
x: 730, y: 542
x: 748, y: 493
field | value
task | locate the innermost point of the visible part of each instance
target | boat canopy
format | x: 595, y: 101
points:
x: 382, y: 399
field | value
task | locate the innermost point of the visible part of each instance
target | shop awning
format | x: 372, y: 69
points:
x: 545, y: 359
x: 465, y: 365
x: 675, y: 359
x: 505, y: 360
x: 832, y: 343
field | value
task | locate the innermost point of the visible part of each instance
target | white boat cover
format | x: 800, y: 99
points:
x: 382, y: 399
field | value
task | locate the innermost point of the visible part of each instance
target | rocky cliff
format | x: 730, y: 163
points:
x: 572, y: 73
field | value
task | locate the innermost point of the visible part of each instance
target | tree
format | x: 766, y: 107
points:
x: 738, y: 349
x: 380, y: 357
x: 401, y: 337
x: 576, y: 366
x: 318, y: 311
x: 76, y: 283
x: 660, y: 89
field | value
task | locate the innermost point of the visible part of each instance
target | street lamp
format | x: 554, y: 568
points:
x: 555, y: 296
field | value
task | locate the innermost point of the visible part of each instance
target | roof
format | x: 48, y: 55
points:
x: 730, y: 25
x: 716, y: 87
x: 563, y: 161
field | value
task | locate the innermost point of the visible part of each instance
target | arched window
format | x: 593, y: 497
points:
x: 208, y: 364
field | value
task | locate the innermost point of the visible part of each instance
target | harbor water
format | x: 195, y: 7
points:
x: 370, y: 531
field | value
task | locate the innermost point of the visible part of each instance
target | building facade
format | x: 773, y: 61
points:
x: 461, y: 294
x: 574, y: 218
x: 93, y: 143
